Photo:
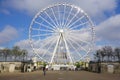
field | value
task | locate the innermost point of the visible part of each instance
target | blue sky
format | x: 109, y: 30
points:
x: 16, y: 16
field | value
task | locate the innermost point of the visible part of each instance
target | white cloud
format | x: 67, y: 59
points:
x: 23, y: 44
x: 27, y: 6
x: 97, y: 7
x: 7, y: 34
x: 92, y: 7
x: 109, y: 30
x: 4, y: 11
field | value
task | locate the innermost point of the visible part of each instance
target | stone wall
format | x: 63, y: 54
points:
x: 105, y: 67
x: 10, y: 66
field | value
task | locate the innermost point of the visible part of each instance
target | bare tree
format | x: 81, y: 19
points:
x: 16, y: 52
x: 6, y: 53
x: 24, y: 54
x: 108, y: 52
x: 1, y: 54
x: 117, y: 52
x: 98, y: 55
x: 102, y: 54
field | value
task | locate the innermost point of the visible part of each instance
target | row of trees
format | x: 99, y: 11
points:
x: 108, y: 54
x: 14, y: 54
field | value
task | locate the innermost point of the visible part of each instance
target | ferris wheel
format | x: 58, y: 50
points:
x: 61, y: 33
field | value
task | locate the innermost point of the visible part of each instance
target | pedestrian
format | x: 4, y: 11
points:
x: 44, y: 70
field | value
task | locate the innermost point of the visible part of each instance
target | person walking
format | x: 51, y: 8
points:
x: 44, y: 70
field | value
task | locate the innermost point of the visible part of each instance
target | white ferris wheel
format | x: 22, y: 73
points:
x: 61, y: 34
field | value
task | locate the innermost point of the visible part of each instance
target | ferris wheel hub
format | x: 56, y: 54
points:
x: 61, y: 31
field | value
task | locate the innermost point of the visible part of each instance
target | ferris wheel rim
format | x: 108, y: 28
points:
x: 54, y: 6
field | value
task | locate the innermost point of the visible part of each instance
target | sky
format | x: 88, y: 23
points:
x: 16, y: 16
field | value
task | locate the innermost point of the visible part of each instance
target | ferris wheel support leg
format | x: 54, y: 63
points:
x: 68, y: 52
x: 55, y: 50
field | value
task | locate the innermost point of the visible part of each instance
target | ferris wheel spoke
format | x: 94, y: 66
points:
x: 54, y: 16
x: 42, y: 35
x: 63, y: 15
x: 47, y: 22
x: 51, y: 19
x: 59, y: 17
x: 51, y: 44
x: 38, y: 55
x: 46, y: 42
x: 76, y: 38
x: 78, y: 45
x: 50, y: 38
x: 44, y: 25
x: 76, y: 26
x: 76, y: 21
x: 72, y: 18
x: 42, y: 30
x: 79, y: 31
x: 76, y: 50
x: 68, y: 16
x: 87, y: 43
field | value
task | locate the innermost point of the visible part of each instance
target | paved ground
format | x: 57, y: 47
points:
x: 59, y: 75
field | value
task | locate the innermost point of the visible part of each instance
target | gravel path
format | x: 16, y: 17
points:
x: 59, y: 75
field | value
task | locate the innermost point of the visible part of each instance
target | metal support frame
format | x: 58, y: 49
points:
x: 61, y: 36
